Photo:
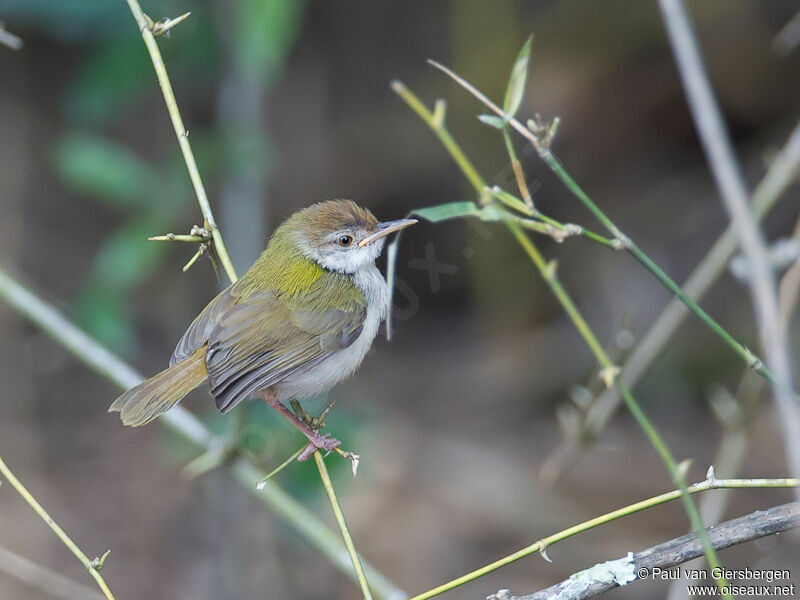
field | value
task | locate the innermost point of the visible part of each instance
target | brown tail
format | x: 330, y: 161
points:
x: 144, y: 402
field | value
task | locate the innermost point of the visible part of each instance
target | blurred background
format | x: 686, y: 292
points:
x: 457, y: 419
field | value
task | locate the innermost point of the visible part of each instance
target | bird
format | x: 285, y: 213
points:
x: 300, y: 320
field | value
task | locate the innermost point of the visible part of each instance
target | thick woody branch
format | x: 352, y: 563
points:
x: 750, y: 527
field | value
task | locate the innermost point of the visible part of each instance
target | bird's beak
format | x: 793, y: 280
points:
x: 385, y: 229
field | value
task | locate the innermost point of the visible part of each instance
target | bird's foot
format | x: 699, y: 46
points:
x: 318, y: 442
x: 313, y: 423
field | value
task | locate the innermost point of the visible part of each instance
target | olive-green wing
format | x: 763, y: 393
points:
x: 263, y: 340
x: 199, y: 331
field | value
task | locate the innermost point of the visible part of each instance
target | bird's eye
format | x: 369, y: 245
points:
x: 345, y: 240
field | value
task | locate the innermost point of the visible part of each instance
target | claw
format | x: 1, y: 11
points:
x: 314, y: 423
x: 320, y: 442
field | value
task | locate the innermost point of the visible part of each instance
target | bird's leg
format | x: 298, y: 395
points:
x: 301, y: 414
x: 316, y: 440
x: 314, y: 423
x: 320, y: 420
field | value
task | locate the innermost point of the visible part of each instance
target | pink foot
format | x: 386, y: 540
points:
x: 318, y: 442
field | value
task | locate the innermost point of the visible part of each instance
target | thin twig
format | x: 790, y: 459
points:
x: 737, y: 415
x: 542, y: 147
x: 39, y: 577
x: 190, y: 428
x: 182, y: 134
x: 348, y: 539
x: 544, y: 543
x: 612, y: 378
x: 750, y: 527
x: 93, y: 566
x: 609, y: 372
x: 436, y: 123
x: 722, y: 161
x: 148, y: 29
x: 780, y: 175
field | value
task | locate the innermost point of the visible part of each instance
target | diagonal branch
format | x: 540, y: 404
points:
x: 187, y: 426
x: 761, y: 277
x: 778, y: 178
x: 146, y: 27
x: 93, y: 566
x: 609, y: 372
x: 591, y: 582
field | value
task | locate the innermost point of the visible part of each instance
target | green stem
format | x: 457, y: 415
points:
x: 544, y: 543
x: 210, y: 223
x: 549, y: 275
x: 751, y: 359
x: 543, y: 150
x: 183, y: 137
x: 62, y: 535
x: 348, y: 539
x: 444, y: 136
x: 436, y: 124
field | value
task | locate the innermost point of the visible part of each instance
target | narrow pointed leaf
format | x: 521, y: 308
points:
x: 452, y: 210
x: 517, y: 81
x: 491, y: 121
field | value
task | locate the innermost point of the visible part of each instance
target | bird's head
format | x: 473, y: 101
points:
x: 341, y: 236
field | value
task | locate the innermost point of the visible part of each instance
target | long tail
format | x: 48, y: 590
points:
x: 144, y: 402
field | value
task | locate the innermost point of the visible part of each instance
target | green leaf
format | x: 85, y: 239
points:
x: 492, y: 121
x: 105, y: 171
x: 517, y: 80
x: 444, y: 212
x: 509, y: 200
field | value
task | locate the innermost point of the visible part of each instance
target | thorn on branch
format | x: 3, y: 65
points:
x: 163, y: 27
x: 200, y: 251
x: 354, y: 459
x: 97, y: 563
x: 543, y: 551
x: 711, y: 478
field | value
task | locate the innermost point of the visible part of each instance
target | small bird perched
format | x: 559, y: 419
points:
x: 300, y: 320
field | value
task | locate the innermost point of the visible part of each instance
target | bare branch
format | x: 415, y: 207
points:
x: 750, y: 527
x: 93, y: 566
x: 722, y: 161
